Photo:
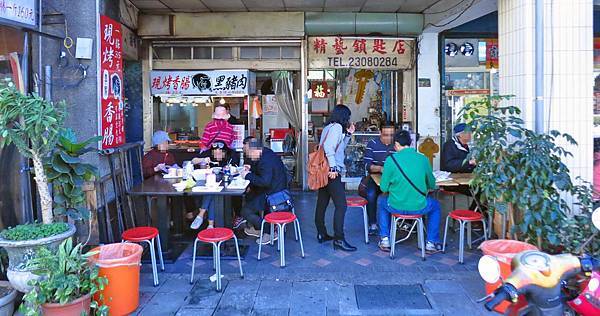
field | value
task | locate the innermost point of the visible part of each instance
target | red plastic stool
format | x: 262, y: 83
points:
x: 216, y: 236
x: 360, y: 202
x: 418, y: 218
x: 149, y: 235
x: 280, y: 219
x: 452, y: 194
x: 464, y: 218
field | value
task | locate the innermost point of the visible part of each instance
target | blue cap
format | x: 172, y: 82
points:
x: 461, y: 127
x: 160, y: 137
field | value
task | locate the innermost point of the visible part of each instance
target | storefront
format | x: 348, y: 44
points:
x: 373, y: 76
x: 258, y: 81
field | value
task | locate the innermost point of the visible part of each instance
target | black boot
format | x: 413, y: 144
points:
x: 321, y: 238
x: 342, y: 244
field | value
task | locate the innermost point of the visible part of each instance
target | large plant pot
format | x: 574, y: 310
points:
x: 78, y: 307
x: 19, y: 253
x: 7, y: 299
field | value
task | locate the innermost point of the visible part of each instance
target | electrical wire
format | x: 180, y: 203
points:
x: 444, y: 11
x: 455, y: 18
x: 68, y: 41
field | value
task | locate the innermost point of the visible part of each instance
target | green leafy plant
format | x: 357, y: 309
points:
x: 67, y: 171
x: 33, y: 231
x: 521, y: 174
x: 65, y: 276
x: 33, y: 125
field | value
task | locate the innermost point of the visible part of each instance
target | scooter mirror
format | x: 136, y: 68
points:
x: 596, y: 218
x: 489, y: 269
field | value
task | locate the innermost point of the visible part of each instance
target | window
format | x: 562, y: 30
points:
x: 270, y: 52
x: 249, y: 52
x: 162, y: 52
x: 201, y: 52
x: 182, y: 52
x: 290, y: 52
x: 222, y: 53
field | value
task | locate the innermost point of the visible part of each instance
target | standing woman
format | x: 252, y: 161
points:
x: 334, y: 138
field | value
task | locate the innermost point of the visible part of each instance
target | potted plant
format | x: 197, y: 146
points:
x: 33, y: 125
x: 67, y: 283
x: 520, y: 173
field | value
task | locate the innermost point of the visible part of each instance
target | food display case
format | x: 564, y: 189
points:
x: 355, y: 151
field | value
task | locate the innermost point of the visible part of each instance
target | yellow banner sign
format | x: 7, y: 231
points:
x: 360, y: 52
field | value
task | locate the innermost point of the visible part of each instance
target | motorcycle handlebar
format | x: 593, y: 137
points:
x: 499, y: 297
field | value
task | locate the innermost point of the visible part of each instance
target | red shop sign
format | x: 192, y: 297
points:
x: 112, y: 127
x: 319, y: 90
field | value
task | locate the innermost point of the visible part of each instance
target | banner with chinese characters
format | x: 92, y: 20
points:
x: 360, y: 52
x: 491, y: 54
x: 203, y: 82
x: 21, y: 12
x: 112, y: 127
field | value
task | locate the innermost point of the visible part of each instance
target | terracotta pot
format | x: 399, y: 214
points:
x: 80, y: 306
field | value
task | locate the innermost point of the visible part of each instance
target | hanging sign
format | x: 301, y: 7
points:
x: 319, y: 90
x: 112, y: 126
x: 22, y: 12
x: 211, y: 82
x: 491, y: 54
x: 360, y: 52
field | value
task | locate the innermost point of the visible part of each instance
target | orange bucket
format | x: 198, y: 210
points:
x: 120, y: 264
x: 504, y: 250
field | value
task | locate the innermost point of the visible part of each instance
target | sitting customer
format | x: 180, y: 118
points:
x: 157, y: 159
x: 220, y: 155
x: 378, y: 149
x: 267, y: 176
x: 455, y: 151
x: 407, y: 177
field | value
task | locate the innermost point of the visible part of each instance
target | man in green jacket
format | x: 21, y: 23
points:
x: 407, y: 193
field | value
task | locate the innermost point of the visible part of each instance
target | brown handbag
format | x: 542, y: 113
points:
x: 318, y: 167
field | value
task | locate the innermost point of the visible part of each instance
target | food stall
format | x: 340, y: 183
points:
x: 184, y: 102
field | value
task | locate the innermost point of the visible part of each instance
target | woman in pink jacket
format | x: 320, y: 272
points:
x: 218, y: 129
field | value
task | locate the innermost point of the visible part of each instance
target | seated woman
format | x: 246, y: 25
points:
x: 157, y: 159
x: 219, y: 155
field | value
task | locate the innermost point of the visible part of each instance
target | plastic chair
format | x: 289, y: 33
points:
x: 420, y: 232
x: 464, y: 218
x: 216, y: 236
x: 281, y: 219
x: 360, y: 202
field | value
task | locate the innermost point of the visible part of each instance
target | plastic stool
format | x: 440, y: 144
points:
x: 216, y: 236
x: 360, y: 202
x: 149, y: 235
x: 464, y: 218
x: 418, y: 218
x: 280, y: 219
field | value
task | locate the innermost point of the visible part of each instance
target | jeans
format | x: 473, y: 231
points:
x: 432, y: 210
x: 208, y: 205
x: 335, y: 190
x: 253, y: 206
x: 373, y: 192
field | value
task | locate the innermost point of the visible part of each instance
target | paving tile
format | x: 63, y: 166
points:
x: 308, y: 298
x: 204, y: 295
x: 273, y: 295
x: 364, y: 262
x: 164, y: 304
x: 240, y: 295
x: 270, y: 312
x: 192, y: 311
x: 179, y: 283
x: 444, y: 286
x: 322, y: 262
x: 230, y: 310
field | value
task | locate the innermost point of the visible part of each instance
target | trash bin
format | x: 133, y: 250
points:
x: 504, y: 250
x: 120, y: 264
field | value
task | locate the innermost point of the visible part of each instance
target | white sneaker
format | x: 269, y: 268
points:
x: 266, y: 239
x: 197, y: 222
x: 384, y: 244
x: 431, y: 247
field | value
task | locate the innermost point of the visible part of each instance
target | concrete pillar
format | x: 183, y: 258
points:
x: 428, y: 114
x: 568, y: 69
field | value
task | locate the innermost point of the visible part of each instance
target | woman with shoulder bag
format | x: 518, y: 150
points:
x: 334, y: 138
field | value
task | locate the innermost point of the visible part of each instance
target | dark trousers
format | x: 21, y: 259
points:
x: 373, y: 192
x: 335, y: 190
x: 252, y: 208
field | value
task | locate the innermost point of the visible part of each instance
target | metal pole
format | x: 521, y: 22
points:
x: 27, y: 208
x: 47, y: 79
x: 539, y: 66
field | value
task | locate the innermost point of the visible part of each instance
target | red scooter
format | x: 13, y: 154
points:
x: 544, y: 281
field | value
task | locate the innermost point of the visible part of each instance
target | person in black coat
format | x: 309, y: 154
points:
x: 455, y: 151
x: 267, y: 176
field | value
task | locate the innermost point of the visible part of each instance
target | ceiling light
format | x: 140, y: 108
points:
x: 222, y: 101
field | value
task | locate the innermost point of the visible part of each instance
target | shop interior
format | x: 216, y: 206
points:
x: 375, y: 97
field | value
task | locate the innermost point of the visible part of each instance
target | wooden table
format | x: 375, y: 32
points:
x: 456, y: 179
x: 160, y: 216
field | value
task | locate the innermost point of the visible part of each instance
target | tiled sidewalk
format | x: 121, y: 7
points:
x: 326, y: 282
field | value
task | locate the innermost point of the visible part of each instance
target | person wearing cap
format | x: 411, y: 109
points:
x: 218, y: 129
x: 267, y: 176
x: 456, y: 150
x: 157, y: 159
